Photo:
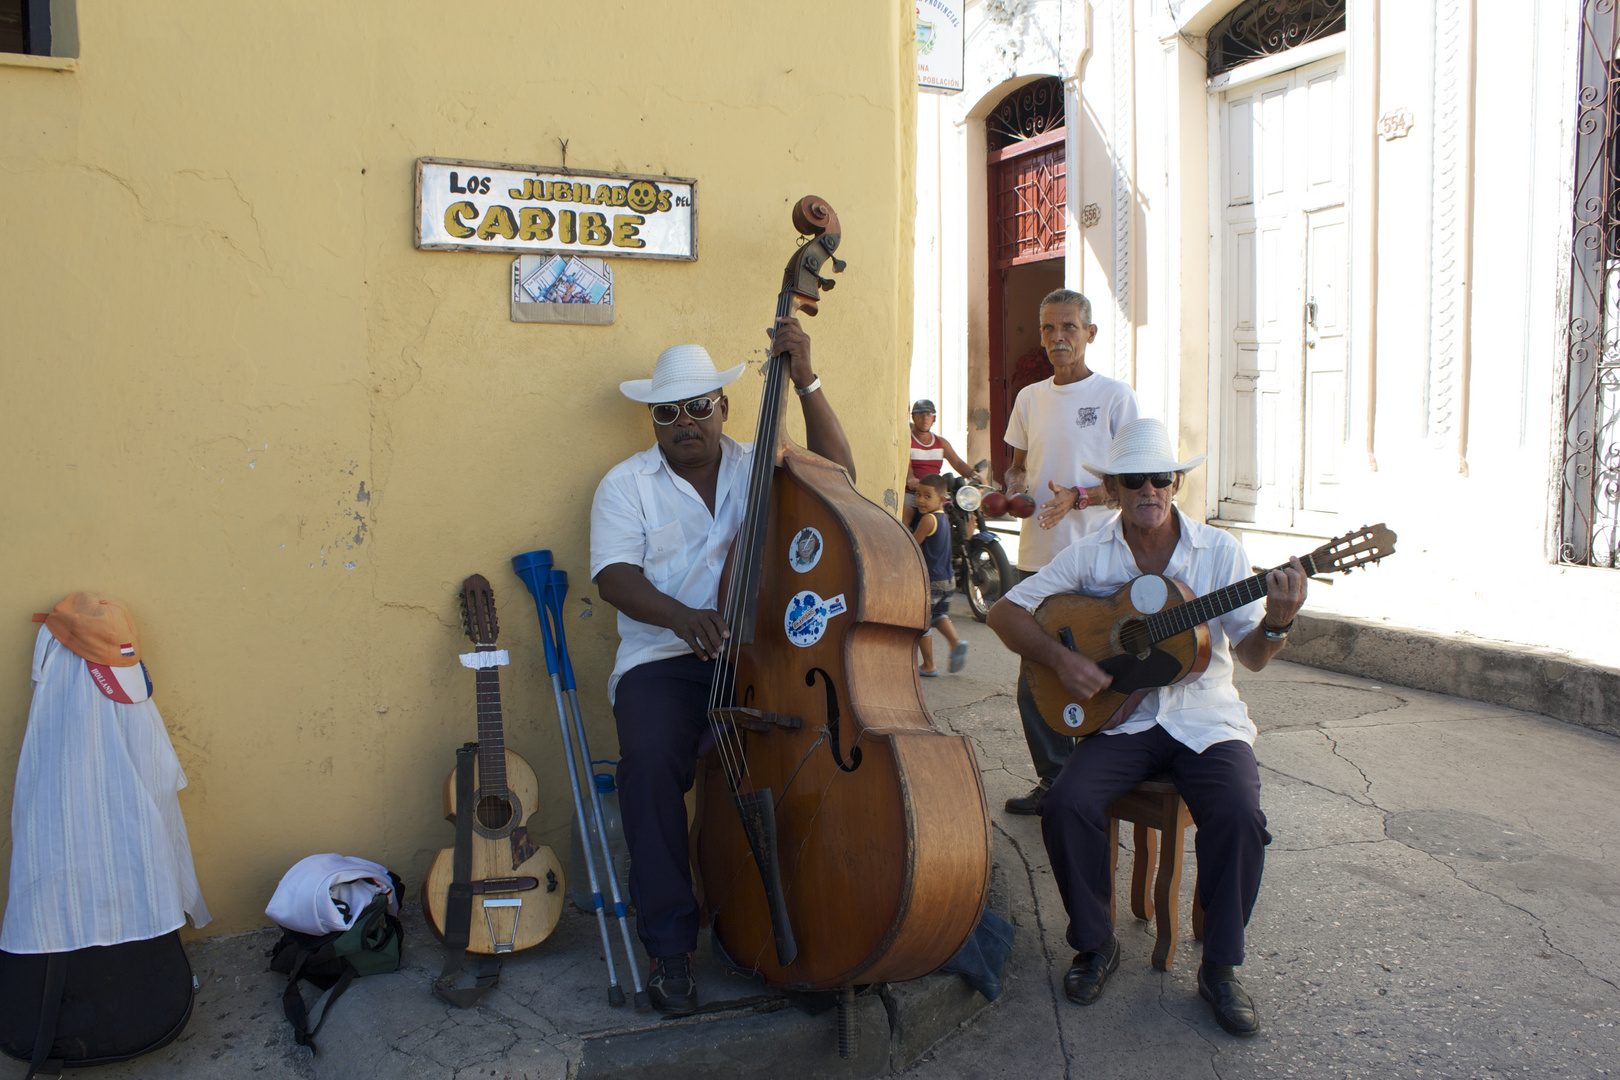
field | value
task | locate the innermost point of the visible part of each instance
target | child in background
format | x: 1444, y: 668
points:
x: 933, y: 534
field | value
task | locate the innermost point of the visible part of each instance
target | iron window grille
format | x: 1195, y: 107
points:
x: 1266, y: 27
x: 1589, y: 510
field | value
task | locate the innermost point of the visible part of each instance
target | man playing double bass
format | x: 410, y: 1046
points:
x: 1199, y: 731
x: 662, y: 523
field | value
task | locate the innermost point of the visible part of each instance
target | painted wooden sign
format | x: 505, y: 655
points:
x: 488, y: 206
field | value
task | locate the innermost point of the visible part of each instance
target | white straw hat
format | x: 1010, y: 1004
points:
x: 1141, y: 446
x: 682, y: 371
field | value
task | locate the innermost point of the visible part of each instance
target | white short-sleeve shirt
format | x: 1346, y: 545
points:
x: 646, y: 516
x: 1057, y: 428
x: 1207, y: 710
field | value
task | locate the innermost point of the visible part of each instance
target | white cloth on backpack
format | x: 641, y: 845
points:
x: 99, y: 852
x: 323, y: 893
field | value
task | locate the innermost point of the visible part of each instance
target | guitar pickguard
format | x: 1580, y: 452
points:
x: 523, y: 848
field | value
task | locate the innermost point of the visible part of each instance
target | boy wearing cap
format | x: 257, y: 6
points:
x: 1197, y: 731
x: 929, y: 453
x: 661, y: 525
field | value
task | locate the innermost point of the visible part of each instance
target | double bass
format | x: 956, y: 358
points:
x: 843, y: 838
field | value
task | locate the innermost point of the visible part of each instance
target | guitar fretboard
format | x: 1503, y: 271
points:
x: 1180, y: 619
x: 491, y: 743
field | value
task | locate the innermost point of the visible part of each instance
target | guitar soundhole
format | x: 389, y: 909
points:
x: 1134, y: 637
x: 493, y: 812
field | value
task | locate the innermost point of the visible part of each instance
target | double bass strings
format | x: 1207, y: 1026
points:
x: 728, y: 742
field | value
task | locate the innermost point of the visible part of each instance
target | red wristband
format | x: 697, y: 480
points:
x: 1081, y: 499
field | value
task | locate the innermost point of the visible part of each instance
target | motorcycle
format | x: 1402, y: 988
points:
x: 983, y: 571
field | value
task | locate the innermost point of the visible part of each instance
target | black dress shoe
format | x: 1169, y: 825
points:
x: 672, y: 990
x: 1031, y: 803
x: 1089, y: 973
x: 1233, y: 1007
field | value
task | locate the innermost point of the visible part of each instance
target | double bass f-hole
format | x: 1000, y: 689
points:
x: 832, y: 722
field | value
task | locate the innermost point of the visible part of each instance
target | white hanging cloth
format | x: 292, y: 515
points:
x: 99, y: 852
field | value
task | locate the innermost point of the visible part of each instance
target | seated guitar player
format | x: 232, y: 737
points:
x: 1199, y: 731
x: 662, y: 523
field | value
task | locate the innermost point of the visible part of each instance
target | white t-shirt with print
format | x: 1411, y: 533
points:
x: 1058, y: 427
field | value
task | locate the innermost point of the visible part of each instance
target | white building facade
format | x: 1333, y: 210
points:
x: 1360, y: 253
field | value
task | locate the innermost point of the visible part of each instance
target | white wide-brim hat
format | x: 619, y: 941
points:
x: 1141, y: 446
x: 682, y: 371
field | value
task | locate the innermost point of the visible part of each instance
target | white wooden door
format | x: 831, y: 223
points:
x: 1283, y: 297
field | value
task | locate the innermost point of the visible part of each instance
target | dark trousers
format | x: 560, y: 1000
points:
x: 1047, y: 749
x: 1221, y: 787
x: 661, y: 710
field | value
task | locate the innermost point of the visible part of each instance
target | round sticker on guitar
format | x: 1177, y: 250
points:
x: 806, y: 617
x: 1072, y: 715
x: 805, y: 551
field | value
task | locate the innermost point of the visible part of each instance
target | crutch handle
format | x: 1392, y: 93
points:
x: 534, y: 567
x: 556, y: 592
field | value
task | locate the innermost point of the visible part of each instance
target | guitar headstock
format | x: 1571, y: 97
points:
x: 478, y: 611
x: 1362, y: 547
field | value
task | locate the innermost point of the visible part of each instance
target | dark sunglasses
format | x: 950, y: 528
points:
x: 699, y: 408
x: 1134, y: 481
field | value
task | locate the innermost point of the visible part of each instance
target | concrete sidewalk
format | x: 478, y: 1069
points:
x: 1439, y: 901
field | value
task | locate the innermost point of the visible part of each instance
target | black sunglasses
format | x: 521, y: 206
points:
x: 1134, y: 481
x: 699, y: 408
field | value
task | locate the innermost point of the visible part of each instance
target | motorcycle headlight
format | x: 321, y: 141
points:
x: 967, y: 497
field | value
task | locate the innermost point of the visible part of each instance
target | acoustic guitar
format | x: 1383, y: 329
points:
x: 1151, y: 632
x: 517, y: 884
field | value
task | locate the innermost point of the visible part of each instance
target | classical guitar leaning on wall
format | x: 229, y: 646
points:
x: 517, y: 893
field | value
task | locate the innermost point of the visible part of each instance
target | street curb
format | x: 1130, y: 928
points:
x: 1502, y: 673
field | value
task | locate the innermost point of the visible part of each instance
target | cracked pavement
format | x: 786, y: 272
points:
x: 1438, y: 901
x: 1438, y: 898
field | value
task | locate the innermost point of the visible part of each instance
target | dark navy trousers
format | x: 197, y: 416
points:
x: 662, y: 712
x: 1221, y: 787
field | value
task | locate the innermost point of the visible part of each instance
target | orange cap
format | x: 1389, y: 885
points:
x: 95, y: 626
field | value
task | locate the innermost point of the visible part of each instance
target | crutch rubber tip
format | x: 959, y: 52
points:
x: 616, y: 995
x: 642, y: 1004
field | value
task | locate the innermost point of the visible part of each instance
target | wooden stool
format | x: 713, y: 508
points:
x: 1154, y: 806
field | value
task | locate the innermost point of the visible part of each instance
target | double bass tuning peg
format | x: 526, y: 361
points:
x: 838, y: 266
x: 826, y: 282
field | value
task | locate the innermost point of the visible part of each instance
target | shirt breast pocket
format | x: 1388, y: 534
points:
x: 666, y: 555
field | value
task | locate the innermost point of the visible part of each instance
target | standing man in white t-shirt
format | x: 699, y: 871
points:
x: 1055, y: 425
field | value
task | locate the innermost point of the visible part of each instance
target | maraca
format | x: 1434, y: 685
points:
x: 1021, y: 505
x: 994, y: 504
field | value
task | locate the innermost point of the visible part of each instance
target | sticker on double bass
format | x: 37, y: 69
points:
x: 807, y: 615
x: 805, y: 551
x: 1072, y: 716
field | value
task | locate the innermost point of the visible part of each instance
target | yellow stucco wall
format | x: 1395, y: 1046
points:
x: 235, y: 396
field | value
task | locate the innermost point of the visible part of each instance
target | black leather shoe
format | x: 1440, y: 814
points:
x: 1089, y: 973
x: 1031, y: 803
x: 671, y: 989
x: 1233, y: 1007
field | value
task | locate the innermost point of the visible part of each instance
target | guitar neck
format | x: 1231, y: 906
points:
x: 491, y: 741
x: 1180, y: 619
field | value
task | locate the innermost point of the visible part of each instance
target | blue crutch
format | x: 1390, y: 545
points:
x: 534, y: 568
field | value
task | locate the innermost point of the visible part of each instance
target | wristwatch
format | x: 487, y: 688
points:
x: 1280, y: 634
x: 1081, y: 499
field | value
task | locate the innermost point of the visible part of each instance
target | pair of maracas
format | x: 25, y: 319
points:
x: 996, y: 504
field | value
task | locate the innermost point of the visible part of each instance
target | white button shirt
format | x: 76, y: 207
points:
x: 1207, y: 710
x: 646, y: 516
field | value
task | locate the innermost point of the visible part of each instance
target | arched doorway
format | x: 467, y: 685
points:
x: 1028, y: 192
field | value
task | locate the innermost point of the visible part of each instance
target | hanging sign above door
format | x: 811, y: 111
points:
x: 488, y: 206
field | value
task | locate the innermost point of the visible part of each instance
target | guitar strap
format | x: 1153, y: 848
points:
x: 50, y: 1007
x: 458, y: 903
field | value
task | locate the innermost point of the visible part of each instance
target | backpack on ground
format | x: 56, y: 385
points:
x: 331, y: 961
